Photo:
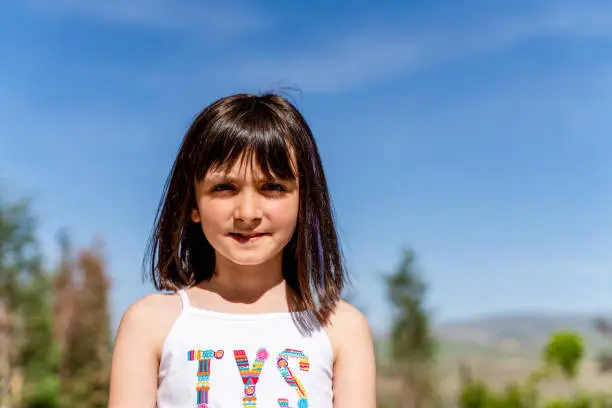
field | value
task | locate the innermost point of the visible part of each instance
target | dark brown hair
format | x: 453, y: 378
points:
x: 270, y: 130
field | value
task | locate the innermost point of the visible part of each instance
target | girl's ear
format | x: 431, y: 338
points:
x: 195, y: 215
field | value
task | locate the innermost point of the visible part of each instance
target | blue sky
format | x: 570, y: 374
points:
x: 475, y: 133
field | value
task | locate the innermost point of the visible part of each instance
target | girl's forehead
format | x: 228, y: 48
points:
x: 238, y: 171
x: 244, y: 167
x: 241, y: 166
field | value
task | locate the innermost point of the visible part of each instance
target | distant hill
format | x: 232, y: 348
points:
x: 514, y: 334
x: 521, y: 334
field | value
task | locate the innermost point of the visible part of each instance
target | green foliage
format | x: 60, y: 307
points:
x: 412, y: 344
x: 562, y: 353
x: 39, y: 356
x: 45, y: 394
x: 558, y: 403
x: 25, y: 289
x: 565, y: 350
x: 411, y: 336
x: 476, y: 394
x: 515, y: 396
x: 581, y: 401
x: 20, y: 260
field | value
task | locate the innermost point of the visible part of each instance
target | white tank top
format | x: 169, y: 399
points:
x: 222, y: 360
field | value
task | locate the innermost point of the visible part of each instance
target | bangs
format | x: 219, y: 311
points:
x: 255, y: 138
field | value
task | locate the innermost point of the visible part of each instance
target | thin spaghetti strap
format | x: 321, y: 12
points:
x: 184, y: 298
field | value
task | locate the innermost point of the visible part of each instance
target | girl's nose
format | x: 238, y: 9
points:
x: 247, y: 208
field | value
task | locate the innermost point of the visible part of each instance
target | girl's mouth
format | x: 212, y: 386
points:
x: 245, y: 238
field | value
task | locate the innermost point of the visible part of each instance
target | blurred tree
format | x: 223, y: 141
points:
x: 65, y: 302
x: 564, y: 350
x: 39, y: 357
x: 412, y: 344
x: 87, y: 356
x: 54, y: 328
x: 23, y: 296
x: 474, y: 394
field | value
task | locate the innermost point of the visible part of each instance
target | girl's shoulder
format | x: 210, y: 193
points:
x: 137, y: 349
x: 346, y: 316
x: 347, y: 325
x: 152, y: 316
x: 154, y: 307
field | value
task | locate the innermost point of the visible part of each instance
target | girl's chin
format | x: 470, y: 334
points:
x: 249, y: 257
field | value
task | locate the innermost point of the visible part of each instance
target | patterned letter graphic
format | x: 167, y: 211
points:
x: 249, y: 375
x: 203, y: 358
x: 282, y: 363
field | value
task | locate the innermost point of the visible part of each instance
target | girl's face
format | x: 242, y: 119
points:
x: 247, y: 218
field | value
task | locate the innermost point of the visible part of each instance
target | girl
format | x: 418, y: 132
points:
x: 245, y: 241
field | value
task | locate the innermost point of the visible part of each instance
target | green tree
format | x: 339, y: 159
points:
x: 475, y: 394
x: 26, y: 351
x: 412, y: 344
x: 564, y: 350
x: 39, y: 356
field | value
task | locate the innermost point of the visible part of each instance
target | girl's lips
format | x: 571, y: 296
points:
x: 245, y: 238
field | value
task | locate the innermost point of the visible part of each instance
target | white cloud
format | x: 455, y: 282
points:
x: 378, y: 52
x: 329, y: 62
x: 336, y: 65
x: 202, y: 16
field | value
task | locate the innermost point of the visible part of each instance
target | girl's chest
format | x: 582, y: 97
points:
x: 265, y: 371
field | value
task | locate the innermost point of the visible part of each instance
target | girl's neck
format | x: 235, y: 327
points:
x: 247, y: 284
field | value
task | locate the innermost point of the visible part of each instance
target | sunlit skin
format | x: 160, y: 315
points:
x: 248, y: 219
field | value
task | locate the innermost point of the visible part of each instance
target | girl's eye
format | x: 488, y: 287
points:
x: 274, y: 187
x: 222, y: 187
